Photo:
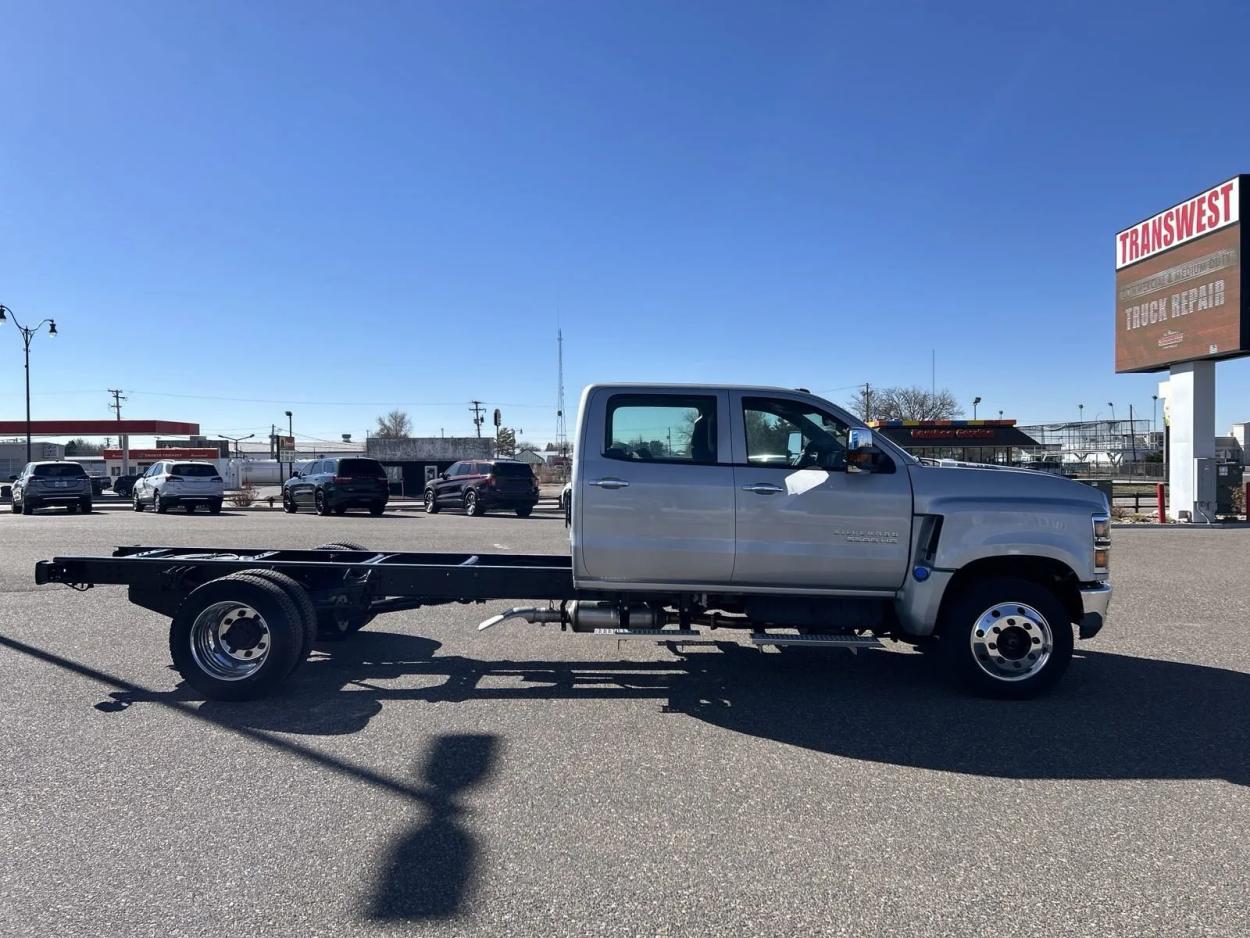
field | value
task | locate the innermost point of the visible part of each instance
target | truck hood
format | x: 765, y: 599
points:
x: 936, y: 487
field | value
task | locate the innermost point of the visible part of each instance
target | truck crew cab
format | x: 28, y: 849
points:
x: 777, y: 507
x: 693, y: 507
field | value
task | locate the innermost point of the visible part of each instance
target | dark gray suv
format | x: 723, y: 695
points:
x: 51, y: 484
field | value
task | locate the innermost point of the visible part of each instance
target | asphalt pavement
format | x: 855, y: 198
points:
x: 426, y: 778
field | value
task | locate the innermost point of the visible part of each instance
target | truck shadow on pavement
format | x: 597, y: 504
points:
x: 1112, y: 717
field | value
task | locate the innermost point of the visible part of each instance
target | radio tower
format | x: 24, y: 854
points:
x: 562, y: 435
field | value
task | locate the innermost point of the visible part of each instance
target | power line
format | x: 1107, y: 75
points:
x: 260, y: 400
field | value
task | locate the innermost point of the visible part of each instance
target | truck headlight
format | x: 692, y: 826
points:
x: 1102, y: 545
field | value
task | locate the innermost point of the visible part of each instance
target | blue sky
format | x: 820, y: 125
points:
x: 236, y: 209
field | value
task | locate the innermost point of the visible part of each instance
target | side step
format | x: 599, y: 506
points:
x: 853, y: 642
x: 662, y: 635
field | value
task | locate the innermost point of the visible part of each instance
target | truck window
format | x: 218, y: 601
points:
x: 661, y: 428
x: 787, y: 433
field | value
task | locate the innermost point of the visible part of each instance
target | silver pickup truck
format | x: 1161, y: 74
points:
x: 692, y: 508
x: 767, y: 507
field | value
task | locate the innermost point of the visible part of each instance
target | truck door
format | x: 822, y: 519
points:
x: 803, y: 519
x: 655, y: 496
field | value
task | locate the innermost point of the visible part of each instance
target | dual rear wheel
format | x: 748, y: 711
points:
x: 240, y: 636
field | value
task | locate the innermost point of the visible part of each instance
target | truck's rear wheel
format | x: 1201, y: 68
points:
x: 236, y: 638
x: 308, y: 612
x: 1006, y: 637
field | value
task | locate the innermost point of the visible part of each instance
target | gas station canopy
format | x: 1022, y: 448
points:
x: 100, y: 428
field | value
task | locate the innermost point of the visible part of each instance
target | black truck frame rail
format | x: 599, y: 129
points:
x: 381, y: 581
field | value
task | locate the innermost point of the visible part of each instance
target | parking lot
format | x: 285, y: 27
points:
x: 427, y: 778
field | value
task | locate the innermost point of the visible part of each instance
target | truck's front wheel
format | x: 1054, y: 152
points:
x: 1006, y: 637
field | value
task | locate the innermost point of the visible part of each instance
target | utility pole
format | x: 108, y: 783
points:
x: 867, y: 402
x: 562, y: 435
x: 118, y: 397
x: 477, y: 410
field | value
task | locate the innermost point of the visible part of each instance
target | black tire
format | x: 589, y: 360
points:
x: 134, y: 498
x: 525, y: 512
x: 981, y: 659
x: 285, y: 637
x: 303, y: 602
x: 320, y: 503
x: 472, y: 507
x: 288, y: 503
x: 431, y: 502
x: 214, y: 508
x: 340, y: 545
x: 159, y: 506
x: 376, y: 510
x: 27, y: 507
x: 84, y: 505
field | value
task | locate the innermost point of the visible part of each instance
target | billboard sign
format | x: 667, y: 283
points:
x: 1178, y: 284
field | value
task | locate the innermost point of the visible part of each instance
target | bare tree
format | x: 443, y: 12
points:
x: 394, y: 426
x: 80, y: 447
x: 912, y: 403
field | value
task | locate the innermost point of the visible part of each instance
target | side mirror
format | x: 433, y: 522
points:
x: 444, y: 476
x: 297, y: 474
x: 859, y: 450
x: 859, y: 440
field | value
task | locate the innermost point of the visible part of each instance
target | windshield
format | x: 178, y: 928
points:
x: 64, y: 470
x: 194, y: 470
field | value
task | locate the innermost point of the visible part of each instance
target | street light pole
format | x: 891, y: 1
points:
x: 27, y: 336
x: 290, y: 432
x: 975, y: 402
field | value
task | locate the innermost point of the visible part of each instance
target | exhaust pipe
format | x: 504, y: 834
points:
x: 528, y: 613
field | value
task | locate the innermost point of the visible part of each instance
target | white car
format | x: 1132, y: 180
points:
x: 173, y: 482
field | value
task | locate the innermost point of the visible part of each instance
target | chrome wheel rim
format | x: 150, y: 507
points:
x: 320, y: 501
x: 1011, y: 642
x: 470, y: 503
x: 429, y: 500
x: 230, y: 641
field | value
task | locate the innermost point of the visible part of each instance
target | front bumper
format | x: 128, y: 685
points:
x: 1095, y: 599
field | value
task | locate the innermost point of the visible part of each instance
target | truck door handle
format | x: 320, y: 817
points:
x: 763, y: 488
x: 610, y: 483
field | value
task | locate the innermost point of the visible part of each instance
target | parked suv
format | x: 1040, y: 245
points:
x: 46, y: 484
x: 123, y: 486
x: 335, y: 485
x: 170, y: 483
x: 479, y: 485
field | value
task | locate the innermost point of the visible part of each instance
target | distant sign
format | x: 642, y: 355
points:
x: 286, y: 455
x: 1178, y: 284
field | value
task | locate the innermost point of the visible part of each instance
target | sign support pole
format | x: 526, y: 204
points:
x: 1191, y: 406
